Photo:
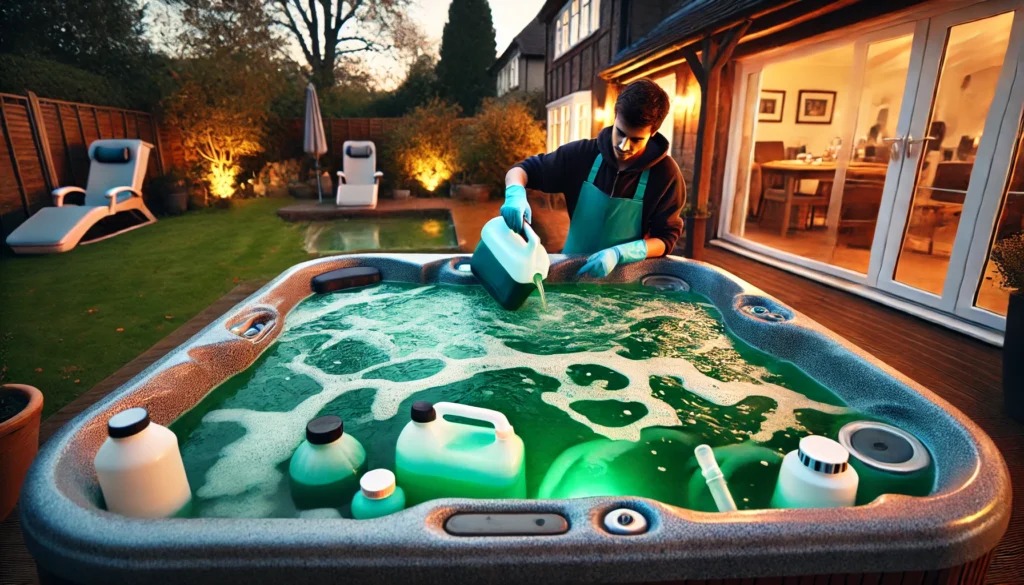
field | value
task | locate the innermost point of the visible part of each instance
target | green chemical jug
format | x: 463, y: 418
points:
x: 438, y: 458
x: 509, y: 265
x: 324, y: 471
x: 377, y: 496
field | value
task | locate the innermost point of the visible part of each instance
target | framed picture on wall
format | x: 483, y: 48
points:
x: 815, y: 106
x: 769, y: 108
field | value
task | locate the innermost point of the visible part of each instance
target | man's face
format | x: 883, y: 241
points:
x: 628, y: 141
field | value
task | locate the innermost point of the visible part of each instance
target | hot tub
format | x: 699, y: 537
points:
x: 946, y: 530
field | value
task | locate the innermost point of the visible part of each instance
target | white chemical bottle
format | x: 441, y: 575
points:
x: 140, y: 469
x: 816, y: 475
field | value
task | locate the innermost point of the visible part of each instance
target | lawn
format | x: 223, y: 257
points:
x: 69, y: 320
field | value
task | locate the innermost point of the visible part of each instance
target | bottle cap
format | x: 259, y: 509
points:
x: 128, y: 422
x: 325, y: 429
x: 823, y: 455
x: 377, y: 484
x: 423, y: 412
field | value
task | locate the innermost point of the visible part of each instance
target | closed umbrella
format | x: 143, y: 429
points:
x: 313, y: 141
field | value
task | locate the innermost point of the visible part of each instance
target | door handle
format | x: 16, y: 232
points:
x: 911, y: 141
x: 894, y: 146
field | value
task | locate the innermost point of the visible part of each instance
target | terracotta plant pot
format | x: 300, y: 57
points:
x: 475, y: 193
x: 176, y: 202
x: 19, y: 439
x: 695, y: 229
x: 1013, y: 366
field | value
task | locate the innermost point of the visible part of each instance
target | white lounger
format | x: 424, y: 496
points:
x: 357, y: 185
x: 116, y: 171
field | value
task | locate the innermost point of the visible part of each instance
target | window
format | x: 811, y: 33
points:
x: 513, y: 71
x: 577, y: 20
x: 569, y: 119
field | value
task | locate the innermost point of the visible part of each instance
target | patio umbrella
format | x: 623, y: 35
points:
x: 313, y: 141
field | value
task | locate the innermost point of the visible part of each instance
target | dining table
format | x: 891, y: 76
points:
x: 794, y: 171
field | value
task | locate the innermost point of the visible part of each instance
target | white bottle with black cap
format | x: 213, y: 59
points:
x: 140, y: 469
x: 817, y: 475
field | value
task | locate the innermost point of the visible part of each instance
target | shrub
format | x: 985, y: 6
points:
x: 50, y: 79
x: 424, y: 149
x: 503, y: 133
x: 1008, y: 255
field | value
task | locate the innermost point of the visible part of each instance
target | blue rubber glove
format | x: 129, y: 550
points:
x: 516, y: 208
x: 601, y: 264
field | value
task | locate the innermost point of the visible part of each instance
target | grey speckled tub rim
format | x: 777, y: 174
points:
x: 959, y: 523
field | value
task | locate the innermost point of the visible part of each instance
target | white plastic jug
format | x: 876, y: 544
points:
x: 140, y: 469
x: 507, y: 265
x: 437, y: 458
x: 816, y: 475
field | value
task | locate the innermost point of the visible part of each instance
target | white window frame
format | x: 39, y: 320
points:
x: 572, y: 28
x: 569, y: 119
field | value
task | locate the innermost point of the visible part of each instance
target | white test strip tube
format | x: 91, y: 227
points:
x: 714, y: 478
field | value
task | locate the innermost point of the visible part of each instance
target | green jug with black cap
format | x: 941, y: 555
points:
x: 324, y: 471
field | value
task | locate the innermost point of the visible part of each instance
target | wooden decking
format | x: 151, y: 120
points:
x: 963, y: 371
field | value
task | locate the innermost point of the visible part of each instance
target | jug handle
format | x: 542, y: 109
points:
x: 502, y: 428
x: 529, y: 235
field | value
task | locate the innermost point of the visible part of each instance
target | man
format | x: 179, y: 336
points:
x: 622, y: 190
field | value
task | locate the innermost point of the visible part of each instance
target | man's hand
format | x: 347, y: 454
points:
x: 601, y: 264
x: 516, y: 208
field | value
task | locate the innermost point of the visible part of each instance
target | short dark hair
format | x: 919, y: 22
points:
x: 643, y: 103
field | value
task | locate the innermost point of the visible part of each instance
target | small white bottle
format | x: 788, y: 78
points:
x: 816, y: 475
x: 140, y: 469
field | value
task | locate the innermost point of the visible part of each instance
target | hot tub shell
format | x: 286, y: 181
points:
x: 949, y: 533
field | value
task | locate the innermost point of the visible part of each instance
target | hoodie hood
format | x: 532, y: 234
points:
x: 657, y: 149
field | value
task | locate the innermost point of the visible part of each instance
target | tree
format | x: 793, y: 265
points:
x: 101, y: 37
x: 328, y: 30
x: 467, y: 51
x: 228, y: 74
x: 420, y: 86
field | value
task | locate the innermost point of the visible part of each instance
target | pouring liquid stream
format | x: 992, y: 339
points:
x: 539, y: 281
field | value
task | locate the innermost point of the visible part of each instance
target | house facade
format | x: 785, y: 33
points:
x: 520, y: 68
x: 872, y: 146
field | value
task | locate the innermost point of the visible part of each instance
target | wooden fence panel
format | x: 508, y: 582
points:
x: 31, y: 170
x: 77, y: 144
x: 51, y: 121
x: 10, y: 190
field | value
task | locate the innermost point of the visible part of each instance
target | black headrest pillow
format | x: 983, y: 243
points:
x: 112, y: 154
x: 359, y: 151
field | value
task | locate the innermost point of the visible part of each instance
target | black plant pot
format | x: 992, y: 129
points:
x: 1013, y: 358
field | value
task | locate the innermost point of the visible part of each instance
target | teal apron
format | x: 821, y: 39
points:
x: 601, y: 221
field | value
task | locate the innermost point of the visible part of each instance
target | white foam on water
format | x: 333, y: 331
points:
x: 246, y: 476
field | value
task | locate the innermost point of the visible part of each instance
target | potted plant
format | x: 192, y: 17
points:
x: 1008, y: 256
x: 400, y: 194
x: 20, y: 410
x: 467, y: 190
x: 695, y: 220
x: 172, y: 191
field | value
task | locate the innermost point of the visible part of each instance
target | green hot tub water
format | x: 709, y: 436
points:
x: 380, y: 233
x: 611, y: 389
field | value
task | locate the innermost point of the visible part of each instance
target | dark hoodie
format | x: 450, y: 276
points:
x: 566, y: 169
